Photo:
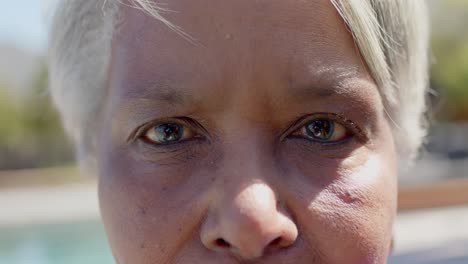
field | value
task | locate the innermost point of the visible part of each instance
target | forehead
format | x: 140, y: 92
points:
x: 213, y: 20
x: 246, y: 40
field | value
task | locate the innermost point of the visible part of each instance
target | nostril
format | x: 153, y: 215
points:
x: 222, y: 243
x: 276, y: 242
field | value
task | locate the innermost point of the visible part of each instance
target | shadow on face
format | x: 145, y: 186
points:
x: 264, y: 142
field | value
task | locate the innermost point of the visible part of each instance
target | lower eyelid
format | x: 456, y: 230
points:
x: 166, y: 157
x: 313, y: 145
x: 171, y: 154
x: 333, y: 151
x: 172, y: 146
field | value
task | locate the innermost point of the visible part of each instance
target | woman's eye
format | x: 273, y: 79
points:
x: 324, y: 130
x: 167, y: 133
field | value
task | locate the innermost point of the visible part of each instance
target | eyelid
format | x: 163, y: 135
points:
x: 184, y: 121
x: 347, y: 123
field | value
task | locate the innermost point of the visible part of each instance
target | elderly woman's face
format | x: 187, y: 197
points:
x: 264, y: 142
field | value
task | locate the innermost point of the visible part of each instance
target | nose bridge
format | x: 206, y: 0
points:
x: 248, y: 156
x: 248, y: 173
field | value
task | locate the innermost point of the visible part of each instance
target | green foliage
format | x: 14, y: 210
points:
x: 11, y: 126
x: 30, y: 130
x: 449, y: 73
x: 39, y: 115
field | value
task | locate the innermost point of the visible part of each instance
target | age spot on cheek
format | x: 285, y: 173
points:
x: 349, y: 197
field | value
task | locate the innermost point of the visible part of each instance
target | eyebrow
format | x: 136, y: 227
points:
x: 169, y: 95
x: 323, y: 82
x: 308, y: 91
x: 168, y: 98
x: 169, y: 91
x: 341, y: 87
x: 162, y: 91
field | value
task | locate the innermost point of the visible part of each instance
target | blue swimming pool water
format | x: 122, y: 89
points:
x: 73, y: 243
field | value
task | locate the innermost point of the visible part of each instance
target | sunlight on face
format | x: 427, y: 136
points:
x: 265, y: 143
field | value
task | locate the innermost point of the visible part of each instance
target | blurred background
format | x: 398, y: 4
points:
x: 49, y: 212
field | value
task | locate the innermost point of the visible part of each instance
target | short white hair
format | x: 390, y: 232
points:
x: 392, y: 36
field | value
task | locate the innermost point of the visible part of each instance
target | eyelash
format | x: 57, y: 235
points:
x: 182, y: 121
x: 352, y: 127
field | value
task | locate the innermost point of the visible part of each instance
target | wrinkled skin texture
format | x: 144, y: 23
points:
x: 244, y: 188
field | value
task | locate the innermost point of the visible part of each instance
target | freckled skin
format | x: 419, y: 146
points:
x: 246, y: 189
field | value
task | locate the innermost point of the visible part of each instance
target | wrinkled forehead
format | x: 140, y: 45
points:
x: 308, y: 40
x: 275, y: 27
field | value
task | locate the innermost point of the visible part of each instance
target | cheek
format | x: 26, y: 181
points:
x: 352, y: 209
x: 149, y: 209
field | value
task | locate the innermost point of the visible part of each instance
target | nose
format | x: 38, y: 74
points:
x: 249, y: 224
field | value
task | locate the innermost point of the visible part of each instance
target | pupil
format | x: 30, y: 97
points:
x: 320, y: 129
x: 169, y: 132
